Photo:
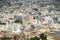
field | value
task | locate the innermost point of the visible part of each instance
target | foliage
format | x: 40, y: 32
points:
x: 2, y: 23
x: 18, y: 21
x: 5, y: 38
x: 32, y: 26
x: 35, y: 38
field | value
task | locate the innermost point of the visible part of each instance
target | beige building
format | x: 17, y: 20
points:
x: 27, y: 19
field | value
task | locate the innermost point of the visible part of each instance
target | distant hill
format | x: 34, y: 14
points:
x: 5, y: 2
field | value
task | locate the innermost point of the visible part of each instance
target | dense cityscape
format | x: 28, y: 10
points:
x: 29, y: 19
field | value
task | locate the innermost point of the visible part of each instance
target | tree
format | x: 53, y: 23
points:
x: 43, y: 36
x: 0, y: 0
x: 2, y: 23
x: 35, y: 9
x: 9, y: 3
x: 18, y: 21
x: 5, y: 38
x: 35, y: 38
x: 32, y: 26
